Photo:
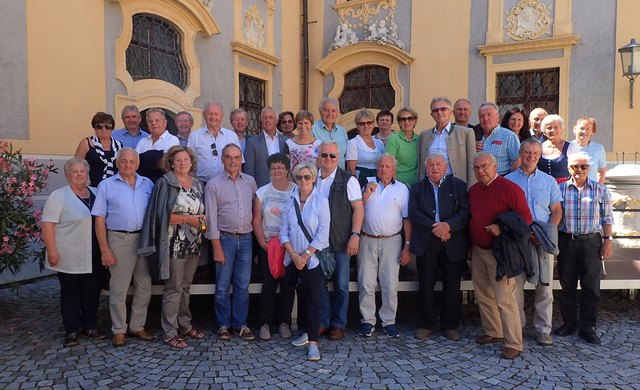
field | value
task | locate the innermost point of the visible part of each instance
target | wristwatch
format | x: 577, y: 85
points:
x: 308, y: 253
x: 610, y: 238
x: 357, y: 234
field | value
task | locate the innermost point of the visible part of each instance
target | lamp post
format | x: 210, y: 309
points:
x: 630, y: 58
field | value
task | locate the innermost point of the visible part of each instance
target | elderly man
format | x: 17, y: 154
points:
x: 263, y: 145
x: 543, y: 197
x: 228, y: 201
x: 490, y: 197
x: 345, y: 204
x: 119, y: 209
x: 584, y: 240
x: 152, y: 148
x: 326, y: 127
x: 462, y: 112
x: 184, y: 123
x: 439, y: 214
x: 131, y: 133
x: 381, y: 248
x: 239, y: 121
x: 455, y: 143
x: 208, y: 141
x: 502, y: 143
x: 535, y: 120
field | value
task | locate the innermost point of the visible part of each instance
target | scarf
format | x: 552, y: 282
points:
x: 108, y: 169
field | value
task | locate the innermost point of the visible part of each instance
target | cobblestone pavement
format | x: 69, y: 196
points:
x: 31, y: 354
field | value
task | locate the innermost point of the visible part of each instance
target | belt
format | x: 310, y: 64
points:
x: 586, y: 236
x: 379, y: 236
x: 234, y: 234
x: 126, y: 231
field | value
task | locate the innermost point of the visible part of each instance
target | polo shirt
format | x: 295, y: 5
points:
x: 385, y: 209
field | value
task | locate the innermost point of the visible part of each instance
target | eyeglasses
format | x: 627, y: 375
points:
x: 582, y: 167
x: 214, y: 150
x: 482, y: 167
x: 100, y: 126
x: 367, y: 123
x: 305, y: 177
x: 289, y: 122
x: 325, y: 155
x: 407, y: 119
x: 441, y: 109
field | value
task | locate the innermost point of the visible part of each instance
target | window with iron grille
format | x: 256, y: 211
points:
x: 155, y: 51
x: 252, y: 100
x: 369, y: 87
x: 528, y: 90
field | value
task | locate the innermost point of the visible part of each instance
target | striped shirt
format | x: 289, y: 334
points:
x: 585, y: 210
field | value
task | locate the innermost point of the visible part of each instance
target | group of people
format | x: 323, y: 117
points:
x: 307, y: 198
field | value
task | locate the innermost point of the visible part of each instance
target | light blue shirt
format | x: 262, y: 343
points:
x: 541, y: 191
x: 339, y: 134
x: 504, y: 144
x: 128, y: 140
x: 439, y: 145
x: 435, y: 196
x: 123, y: 206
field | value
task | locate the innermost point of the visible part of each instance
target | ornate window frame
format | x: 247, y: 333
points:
x: 189, y: 17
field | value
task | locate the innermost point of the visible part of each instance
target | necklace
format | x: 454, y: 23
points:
x: 185, y: 183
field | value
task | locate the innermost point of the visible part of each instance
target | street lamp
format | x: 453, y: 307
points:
x: 630, y: 56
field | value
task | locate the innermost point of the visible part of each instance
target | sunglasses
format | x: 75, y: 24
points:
x: 289, y: 122
x: 305, y: 177
x: 441, y: 109
x: 100, y: 126
x: 367, y: 123
x: 214, y: 150
x: 325, y: 155
x: 582, y: 167
x: 407, y: 119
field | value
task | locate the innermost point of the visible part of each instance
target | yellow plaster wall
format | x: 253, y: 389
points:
x: 291, y: 56
x: 441, y: 66
x: 626, y: 121
x: 316, y: 30
x: 66, y: 73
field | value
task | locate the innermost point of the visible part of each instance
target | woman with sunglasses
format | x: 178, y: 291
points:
x: 403, y: 145
x: 516, y: 120
x: 286, y: 124
x: 100, y: 149
x: 364, y: 150
x: 310, y: 209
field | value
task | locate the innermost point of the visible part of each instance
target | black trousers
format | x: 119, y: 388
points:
x: 80, y: 296
x: 452, y: 271
x: 268, y: 296
x: 311, y: 285
x: 579, y: 260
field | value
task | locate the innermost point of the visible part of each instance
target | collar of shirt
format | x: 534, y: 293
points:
x: 402, y: 136
x: 138, y: 179
x: 587, y: 184
x: 393, y: 181
x: 492, y: 180
x: 267, y: 136
x: 535, y: 172
x: 439, y: 182
x: 447, y: 128
x: 324, y: 126
x: 162, y: 136
x: 332, y: 175
x: 490, y: 134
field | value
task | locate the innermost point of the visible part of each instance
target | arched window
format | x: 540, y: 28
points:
x: 368, y: 86
x: 155, y: 51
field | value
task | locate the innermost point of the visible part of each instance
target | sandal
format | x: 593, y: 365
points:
x: 177, y: 342
x: 192, y: 333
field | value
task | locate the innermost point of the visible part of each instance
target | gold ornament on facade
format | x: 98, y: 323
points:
x: 530, y: 19
x: 253, y: 28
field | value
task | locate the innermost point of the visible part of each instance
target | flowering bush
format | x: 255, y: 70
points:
x: 21, y: 237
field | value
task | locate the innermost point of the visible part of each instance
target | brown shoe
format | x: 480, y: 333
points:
x: 486, y: 339
x: 143, y: 335
x: 452, y: 334
x: 119, y: 340
x: 510, y: 353
x: 423, y: 333
x: 322, y: 331
x: 336, y: 334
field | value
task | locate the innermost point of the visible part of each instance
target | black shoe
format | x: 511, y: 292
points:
x: 70, y: 340
x: 92, y: 334
x: 590, y: 337
x: 565, y: 330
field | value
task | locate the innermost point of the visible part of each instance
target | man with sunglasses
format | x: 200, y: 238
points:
x: 208, y: 142
x: 584, y: 239
x: 455, y: 143
x: 345, y: 204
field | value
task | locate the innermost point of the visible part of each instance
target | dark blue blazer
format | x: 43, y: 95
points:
x: 255, y: 157
x: 453, y: 202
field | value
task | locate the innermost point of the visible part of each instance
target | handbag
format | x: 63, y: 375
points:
x: 275, y: 255
x: 325, y: 256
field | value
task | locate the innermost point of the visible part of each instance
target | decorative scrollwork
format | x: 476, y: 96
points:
x: 253, y: 28
x: 530, y: 19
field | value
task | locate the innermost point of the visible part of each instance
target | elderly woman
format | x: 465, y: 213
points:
x: 171, y: 239
x: 286, y: 124
x: 303, y: 147
x: 364, y: 150
x: 100, y: 149
x: 269, y: 205
x: 384, y: 120
x: 584, y: 130
x: 516, y: 120
x: 73, y: 251
x: 403, y: 145
x: 308, y: 209
x: 554, y: 149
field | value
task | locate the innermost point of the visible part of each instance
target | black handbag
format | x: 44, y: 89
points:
x: 325, y: 256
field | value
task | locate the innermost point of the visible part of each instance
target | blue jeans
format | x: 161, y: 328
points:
x: 335, y: 313
x: 236, y: 268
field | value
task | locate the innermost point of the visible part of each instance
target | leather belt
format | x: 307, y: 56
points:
x: 233, y: 234
x: 586, y: 236
x: 126, y: 231
x: 379, y: 236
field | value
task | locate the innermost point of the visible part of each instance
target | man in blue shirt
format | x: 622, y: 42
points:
x: 131, y: 133
x: 500, y: 142
x: 326, y: 127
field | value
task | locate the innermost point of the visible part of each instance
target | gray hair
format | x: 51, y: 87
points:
x: 579, y: 156
x: 364, y: 113
x: 328, y: 100
x: 329, y: 142
x: 237, y: 111
x: 440, y: 99
x: 207, y: 104
x: 535, y: 111
x: 306, y: 165
x: 489, y: 104
x: 434, y: 155
x: 230, y: 145
x: 127, y: 149
x: 266, y: 109
x: 155, y: 109
x: 529, y: 141
x: 188, y: 114
x: 550, y: 119
x: 485, y: 154
x: 128, y: 108
x: 391, y: 156
x: 75, y: 160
